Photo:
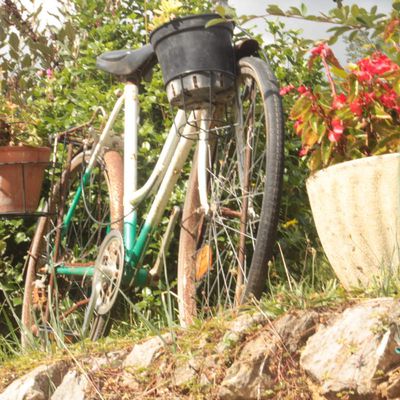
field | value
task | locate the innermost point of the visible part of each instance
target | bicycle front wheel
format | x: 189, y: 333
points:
x: 223, y: 256
x: 55, y: 303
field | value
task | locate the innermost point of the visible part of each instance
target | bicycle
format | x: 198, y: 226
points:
x: 90, y: 245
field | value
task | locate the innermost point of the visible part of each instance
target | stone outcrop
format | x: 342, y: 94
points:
x: 39, y: 384
x: 354, y: 352
x: 308, y: 354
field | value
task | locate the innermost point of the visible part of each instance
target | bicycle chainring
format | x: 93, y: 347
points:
x: 108, y: 272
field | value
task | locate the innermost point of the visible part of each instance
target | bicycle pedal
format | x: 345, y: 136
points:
x: 69, y: 337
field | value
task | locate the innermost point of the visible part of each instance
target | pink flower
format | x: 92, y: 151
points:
x: 286, y: 89
x: 336, y: 132
x: 49, y: 73
x: 339, y: 101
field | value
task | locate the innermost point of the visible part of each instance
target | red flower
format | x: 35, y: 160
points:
x: 336, y: 132
x: 390, y: 99
x: 303, y: 89
x: 363, y: 76
x: 297, y: 126
x: 377, y: 64
x: 303, y: 151
x: 286, y: 89
x: 322, y: 50
x: 369, y: 97
x: 339, y: 101
x: 356, y: 107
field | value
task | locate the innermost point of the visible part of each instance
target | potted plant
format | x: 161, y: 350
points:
x: 196, y: 55
x: 350, y: 135
x: 22, y: 160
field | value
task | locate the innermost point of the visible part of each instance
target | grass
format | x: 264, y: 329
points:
x: 308, y: 284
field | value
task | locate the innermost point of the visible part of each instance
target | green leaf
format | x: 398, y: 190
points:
x: 363, y: 21
x: 340, y: 72
x: 300, y: 108
x: 14, y: 41
x: 3, y: 34
x: 315, y: 161
x: 389, y: 141
x: 69, y: 30
x: 339, y: 30
x: 26, y: 61
x: 220, y: 10
x: 355, y: 10
x: 275, y: 10
x: 215, y: 21
x: 17, y: 301
x: 303, y: 9
x: 3, y: 246
x: 20, y: 237
x: 380, y: 113
x: 294, y: 11
x: 326, y: 151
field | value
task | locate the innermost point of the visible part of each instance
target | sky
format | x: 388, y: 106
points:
x: 311, y: 30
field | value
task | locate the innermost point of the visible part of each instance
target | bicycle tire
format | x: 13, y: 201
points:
x: 105, y: 181
x: 203, y: 291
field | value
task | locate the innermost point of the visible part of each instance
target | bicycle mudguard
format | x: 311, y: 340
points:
x: 246, y: 48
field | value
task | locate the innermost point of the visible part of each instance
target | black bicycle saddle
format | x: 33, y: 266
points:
x: 128, y: 64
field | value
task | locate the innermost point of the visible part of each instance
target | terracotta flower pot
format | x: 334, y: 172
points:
x: 21, y: 177
x: 356, y: 209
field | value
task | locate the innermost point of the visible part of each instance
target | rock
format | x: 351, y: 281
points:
x: 353, y: 353
x: 250, y: 376
x: 112, y: 359
x: 39, y: 384
x: 390, y: 389
x: 73, y: 386
x: 238, y: 328
x: 143, y: 354
x: 184, y: 373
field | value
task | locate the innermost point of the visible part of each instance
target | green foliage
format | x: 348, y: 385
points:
x: 347, y: 19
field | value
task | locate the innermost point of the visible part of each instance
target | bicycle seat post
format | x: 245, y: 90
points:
x: 131, y: 115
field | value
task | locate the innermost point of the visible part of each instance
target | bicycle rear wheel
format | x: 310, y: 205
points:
x: 54, y: 304
x: 223, y: 256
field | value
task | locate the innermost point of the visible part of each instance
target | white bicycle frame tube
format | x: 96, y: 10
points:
x: 168, y: 167
x: 163, y: 160
x: 202, y: 163
x: 172, y: 174
x: 131, y: 112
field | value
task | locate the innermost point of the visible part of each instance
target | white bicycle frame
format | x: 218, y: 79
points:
x: 182, y: 135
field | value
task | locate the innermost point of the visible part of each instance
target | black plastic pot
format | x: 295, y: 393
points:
x: 196, y: 62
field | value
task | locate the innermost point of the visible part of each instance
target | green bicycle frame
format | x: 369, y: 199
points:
x: 162, y: 181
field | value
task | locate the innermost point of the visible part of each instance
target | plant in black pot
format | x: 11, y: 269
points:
x: 23, y: 159
x: 196, y: 57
